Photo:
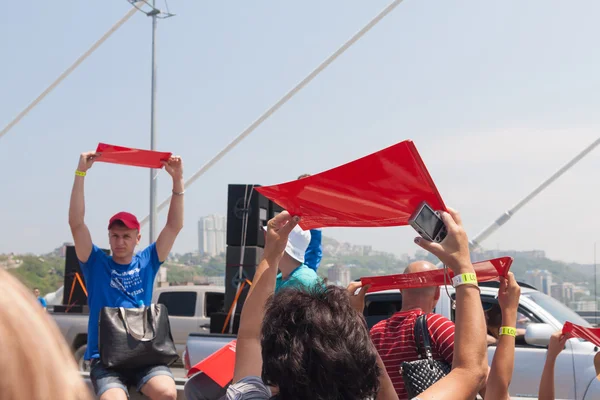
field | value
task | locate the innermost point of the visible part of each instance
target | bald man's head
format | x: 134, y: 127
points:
x: 419, y: 266
x: 424, y: 298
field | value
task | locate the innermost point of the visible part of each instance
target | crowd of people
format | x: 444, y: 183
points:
x: 299, y: 338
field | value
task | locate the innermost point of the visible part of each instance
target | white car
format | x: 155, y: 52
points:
x: 575, y: 376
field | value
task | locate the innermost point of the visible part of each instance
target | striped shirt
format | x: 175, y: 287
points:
x: 395, y: 342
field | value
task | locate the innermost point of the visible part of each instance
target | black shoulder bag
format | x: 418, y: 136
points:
x: 136, y: 337
x: 421, y: 374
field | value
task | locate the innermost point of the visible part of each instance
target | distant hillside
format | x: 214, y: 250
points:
x: 43, y: 272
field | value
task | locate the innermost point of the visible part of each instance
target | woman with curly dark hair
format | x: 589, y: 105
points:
x: 314, y: 343
x: 316, y: 346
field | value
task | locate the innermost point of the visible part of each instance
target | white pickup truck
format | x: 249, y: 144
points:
x: 190, y: 308
x: 542, y: 315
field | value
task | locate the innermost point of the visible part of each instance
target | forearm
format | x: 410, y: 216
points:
x: 175, y: 216
x: 546, y: 391
x: 470, y: 340
x: 263, y: 286
x: 469, y: 365
x: 77, y: 204
x: 503, y: 363
x: 386, y: 387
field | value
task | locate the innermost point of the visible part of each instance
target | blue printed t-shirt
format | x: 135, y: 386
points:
x: 303, y: 276
x: 117, y: 285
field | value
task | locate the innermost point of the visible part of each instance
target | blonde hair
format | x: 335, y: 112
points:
x: 35, y: 361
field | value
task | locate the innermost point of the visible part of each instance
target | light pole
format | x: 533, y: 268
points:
x: 155, y: 13
x: 153, y: 172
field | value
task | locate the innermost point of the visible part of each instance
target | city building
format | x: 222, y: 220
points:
x: 339, y: 275
x: 533, y: 253
x: 563, y: 292
x: 588, y: 305
x: 212, y: 235
x: 540, y: 279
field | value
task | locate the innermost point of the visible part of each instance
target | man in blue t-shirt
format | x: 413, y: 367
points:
x: 124, y: 279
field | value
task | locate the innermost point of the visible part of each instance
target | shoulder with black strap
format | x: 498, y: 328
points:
x: 421, y: 374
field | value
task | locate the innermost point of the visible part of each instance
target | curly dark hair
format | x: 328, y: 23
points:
x: 316, y: 346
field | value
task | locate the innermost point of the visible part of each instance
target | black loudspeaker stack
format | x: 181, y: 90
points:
x: 243, y: 204
x: 75, y: 290
x: 252, y: 256
x: 246, y: 204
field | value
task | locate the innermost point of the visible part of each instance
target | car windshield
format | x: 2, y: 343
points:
x: 558, y: 310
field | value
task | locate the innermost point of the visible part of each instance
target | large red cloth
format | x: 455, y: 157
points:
x: 485, y: 270
x: 381, y: 189
x: 219, y: 366
x: 129, y: 156
x: 590, y: 334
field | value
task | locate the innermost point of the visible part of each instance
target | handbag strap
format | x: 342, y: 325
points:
x: 422, y: 334
x: 147, y: 314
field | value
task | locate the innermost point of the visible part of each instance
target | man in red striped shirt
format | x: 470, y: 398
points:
x: 394, y: 337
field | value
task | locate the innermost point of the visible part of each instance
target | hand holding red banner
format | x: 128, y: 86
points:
x: 130, y: 156
x: 381, y: 189
x: 485, y: 270
x: 590, y: 334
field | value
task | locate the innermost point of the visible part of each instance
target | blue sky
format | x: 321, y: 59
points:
x: 496, y: 97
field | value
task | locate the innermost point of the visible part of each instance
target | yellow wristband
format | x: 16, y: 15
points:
x: 463, y: 279
x: 507, y: 330
x: 80, y: 173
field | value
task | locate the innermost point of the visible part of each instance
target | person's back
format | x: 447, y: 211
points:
x: 394, y: 337
x: 394, y: 340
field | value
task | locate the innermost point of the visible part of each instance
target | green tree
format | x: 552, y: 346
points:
x: 45, y: 273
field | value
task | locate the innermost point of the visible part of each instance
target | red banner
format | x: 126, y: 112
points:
x: 590, y: 334
x: 381, y: 189
x: 129, y: 156
x: 219, y: 366
x: 486, y: 271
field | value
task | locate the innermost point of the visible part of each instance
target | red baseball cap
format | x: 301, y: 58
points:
x: 128, y: 219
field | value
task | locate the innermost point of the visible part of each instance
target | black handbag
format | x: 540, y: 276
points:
x: 136, y: 337
x: 421, y: 374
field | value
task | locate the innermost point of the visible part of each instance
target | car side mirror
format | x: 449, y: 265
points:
x: 538, y: 334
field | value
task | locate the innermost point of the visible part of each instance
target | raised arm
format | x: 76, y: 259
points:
x: 79, y: 230
x: 166, y: 239
x: 469, y: 367
x: 557, y: 344
x: 248, y: 361
x: 357, y: 300
x: 504, y: 357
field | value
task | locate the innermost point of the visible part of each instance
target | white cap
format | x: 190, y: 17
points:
x: 298, y: 242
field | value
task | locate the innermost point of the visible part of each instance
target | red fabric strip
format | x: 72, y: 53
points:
x: 486, y: 271
x: 590, y: 334
x: 381, y: 189
x: 129, y: 156
x: 219, y: 366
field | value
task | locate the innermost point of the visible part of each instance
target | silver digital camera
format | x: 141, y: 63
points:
x: 428, y: 223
